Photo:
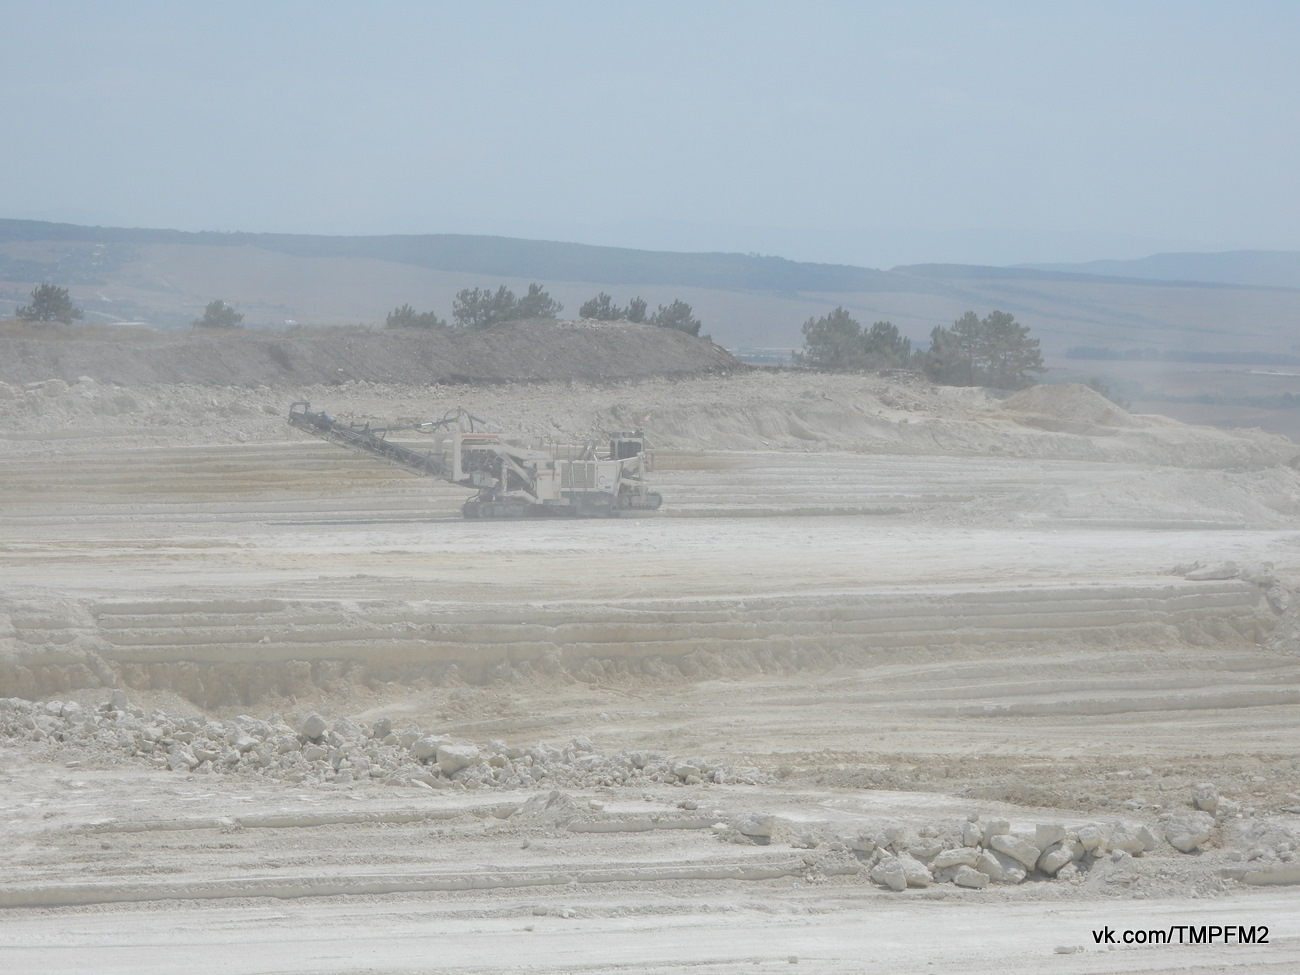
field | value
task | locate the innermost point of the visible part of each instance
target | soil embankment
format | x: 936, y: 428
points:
x: 522, y: 351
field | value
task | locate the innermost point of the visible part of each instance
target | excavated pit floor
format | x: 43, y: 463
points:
x: 889, y: 639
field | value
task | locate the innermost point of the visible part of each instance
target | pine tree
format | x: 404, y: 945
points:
x: 49, y: 304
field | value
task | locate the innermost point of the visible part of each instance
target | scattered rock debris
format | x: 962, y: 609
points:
x: 343, y: 752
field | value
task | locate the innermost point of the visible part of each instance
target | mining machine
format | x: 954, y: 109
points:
x: 511, y: 478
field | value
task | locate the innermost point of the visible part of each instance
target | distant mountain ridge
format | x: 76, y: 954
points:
x: 985, y: 272
x: 557, y: 260
x: 165, y: 278
x: 504, y: 256
x: 1268, y: 269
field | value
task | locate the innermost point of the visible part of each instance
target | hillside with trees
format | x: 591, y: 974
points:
x: 164, y: 278
x: 1108, y: 327
x: 995, y: 350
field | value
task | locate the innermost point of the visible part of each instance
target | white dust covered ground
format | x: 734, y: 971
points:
x: 899, y: 679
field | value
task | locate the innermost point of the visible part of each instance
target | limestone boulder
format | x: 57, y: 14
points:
x: 1126, y: 837
x: 963, y: 856
x: 1205, y: 797
x: 1047, y: 834
x: 995, y: 827
x: 425, y: 748
x: 1058, y: 855
x: 452, y: 758
x: 1188, y: 831
x: 971, y: 878
x: 918, y: 875
x: 757, y: 827
x: 890, y: 873
x: 1022, y: 851
x: 987, y: 863
x: 1092, y: 839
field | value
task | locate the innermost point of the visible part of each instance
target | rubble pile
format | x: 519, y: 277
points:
x: 977, y: 854
x: 316, y: 751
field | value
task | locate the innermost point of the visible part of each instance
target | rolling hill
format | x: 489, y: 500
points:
x: 1206, y: 350
x: 1267, y: 269
x: 165, y: 277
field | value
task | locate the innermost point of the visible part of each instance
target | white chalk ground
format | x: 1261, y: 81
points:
x: 694, y: 931
x: 902, y: 605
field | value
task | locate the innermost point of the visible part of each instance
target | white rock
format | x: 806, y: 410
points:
x: 1013, y: 872
x: 207, y: 753
x: 987, y: 864
x: 425, y: 748
x: 1125, y: 837
x: 1188, y: 832
x: 1022, y: 851
x: 962, y: 856
x: 1057, y: 856
x: 1092, y: 839
x: 453, y: 758
x: 890, y: 873
x: 757, y: 827
x: 1206, y: 797
x: 345, y: 729
x: 915, y: 871
x: 924, y: 847
x: 1046, y: 834
x: 995, y: 827
x: 408, y: 736
x: 970, y: 877
x: 971, y: 834
x: 312, y: 726
x: 944, y: 875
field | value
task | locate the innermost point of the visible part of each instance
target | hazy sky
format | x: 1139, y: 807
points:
x: 872, y: 134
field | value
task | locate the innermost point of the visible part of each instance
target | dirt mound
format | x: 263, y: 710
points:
x: 523, y: 351
x: 1069, y: 403
x: 740, y: 411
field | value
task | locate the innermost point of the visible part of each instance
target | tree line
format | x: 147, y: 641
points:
x: 995, y: 350
x: 483, y: 308
x: 473, y: 308
x: 679, y: 315
x: 51, y: 303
